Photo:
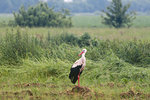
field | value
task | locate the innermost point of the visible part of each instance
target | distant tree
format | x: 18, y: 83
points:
x: 117, y: 15
x: 41, y: 15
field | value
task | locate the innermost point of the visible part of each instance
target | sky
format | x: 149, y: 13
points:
x: 109, y: 0
x: 43, y: 0
x: 68, y: 0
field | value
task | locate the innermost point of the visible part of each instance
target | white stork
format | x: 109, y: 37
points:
x: 77, y: 68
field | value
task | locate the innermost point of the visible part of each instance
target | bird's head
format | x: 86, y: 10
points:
x: 83, y: 52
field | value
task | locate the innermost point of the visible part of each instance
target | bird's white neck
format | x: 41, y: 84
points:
x: 83, y: 55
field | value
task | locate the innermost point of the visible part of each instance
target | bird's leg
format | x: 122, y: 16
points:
x: 79, y: 79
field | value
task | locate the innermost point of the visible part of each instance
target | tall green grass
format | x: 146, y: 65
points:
x: 118, y: 60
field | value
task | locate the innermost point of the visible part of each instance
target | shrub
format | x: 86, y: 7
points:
x: 41, y: 15
x: 85, y: 40
x: 69, y: 39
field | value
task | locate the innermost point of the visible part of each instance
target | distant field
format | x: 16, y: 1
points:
x: 142, y: 21
x: 95, y: 21
x: 87, y: 21
x: 4, y: 19
x: 83, y: 20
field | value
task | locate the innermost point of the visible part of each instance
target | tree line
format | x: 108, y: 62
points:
x: 116, y: 15
x: 9, y: 6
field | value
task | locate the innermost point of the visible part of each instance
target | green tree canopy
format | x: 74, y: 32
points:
x: 41, y: 15
x: 117, y: 15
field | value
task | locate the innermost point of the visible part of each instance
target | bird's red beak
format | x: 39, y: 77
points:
x: 81, y: 53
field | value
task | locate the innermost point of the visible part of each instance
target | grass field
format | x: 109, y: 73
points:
x: 87, y: 21
x: 35, y: 62
x: 100, y: 33
x: 95, y: 21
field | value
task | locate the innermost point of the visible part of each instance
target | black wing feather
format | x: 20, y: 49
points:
x: 73, y: 76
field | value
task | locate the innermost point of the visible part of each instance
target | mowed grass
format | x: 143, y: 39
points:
x: 29, y: 82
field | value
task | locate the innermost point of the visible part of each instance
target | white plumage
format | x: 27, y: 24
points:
x: 80, y: 62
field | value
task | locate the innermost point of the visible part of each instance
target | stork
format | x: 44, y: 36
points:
x: 77, y: 68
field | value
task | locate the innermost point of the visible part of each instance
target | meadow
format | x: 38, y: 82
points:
x: 35, y: 62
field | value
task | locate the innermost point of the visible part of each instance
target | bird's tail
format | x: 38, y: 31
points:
x: 73, y: 76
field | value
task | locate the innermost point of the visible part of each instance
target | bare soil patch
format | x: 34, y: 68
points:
x: 85, y: 92
x: 130, y: 94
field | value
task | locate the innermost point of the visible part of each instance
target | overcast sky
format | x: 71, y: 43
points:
x: 43, y: 0
x: 68, y: 0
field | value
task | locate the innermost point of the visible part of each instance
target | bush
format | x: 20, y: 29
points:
x: 41, y: 15
x: 85, y: 40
